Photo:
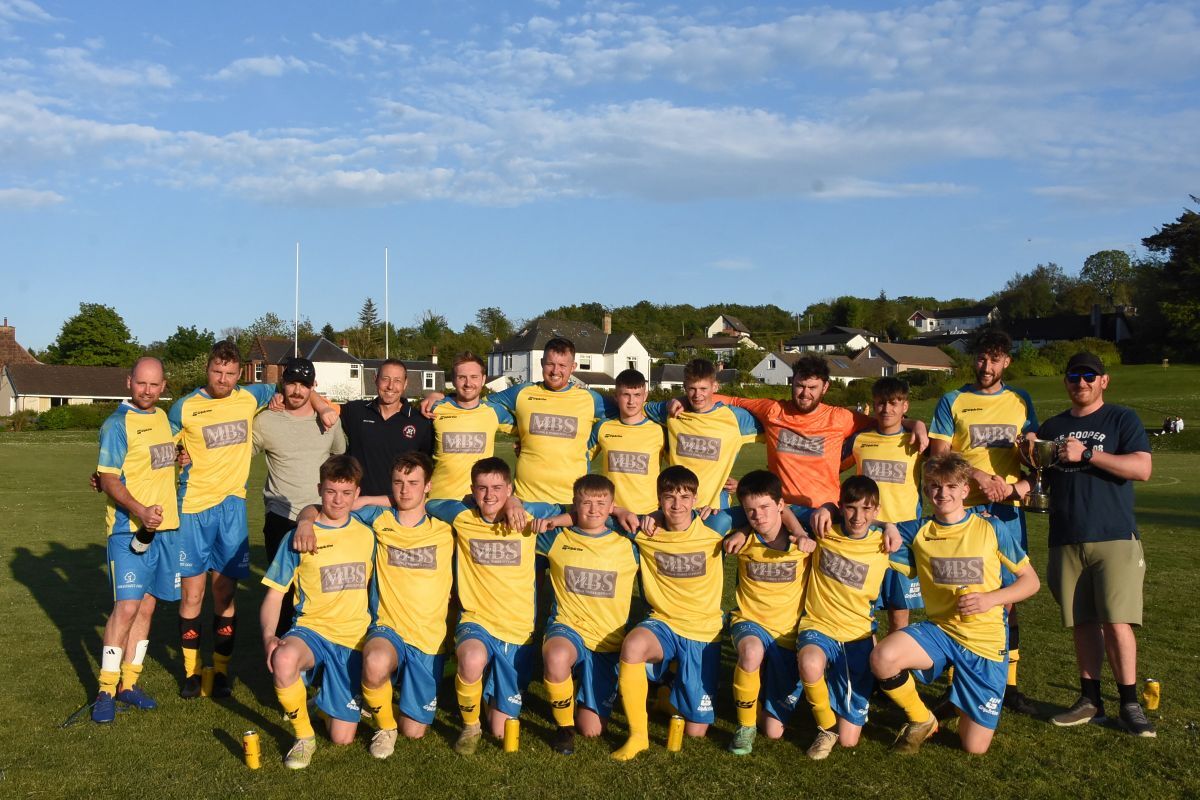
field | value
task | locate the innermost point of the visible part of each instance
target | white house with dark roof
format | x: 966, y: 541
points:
x: 41, y: 387
x: 726, y: 325
x: 888, y: 358
x: 776, y: 368
x: 953, y: 320
x: 600, y: 354
x: 837, y: 337
x: 339, y: 374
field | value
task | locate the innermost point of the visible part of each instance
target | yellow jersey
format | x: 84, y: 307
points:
x: 462, y: 436
x: 333, y: 584
x: 682, y: 576
x: 138, y: 446
x: 592, y: 576
x: 708, y: 444
x: 891, y: 460
x: 985, y: 428
x: 844, y: 583
x: 770, y: 587
x: 631, y: 457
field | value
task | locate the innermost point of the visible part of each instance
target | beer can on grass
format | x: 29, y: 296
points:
x: 1151, y: 694
x: 959, y: 592
x: 250, y: 749
x: 206, y: 682
x: 512, y: 735
x: 675, y: 734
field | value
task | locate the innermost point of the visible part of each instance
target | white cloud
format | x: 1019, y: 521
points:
x: 29, y: 198
x: 74, y: 65
x: 23, y: 11
x: 376, y: 47
x: 261, y: 66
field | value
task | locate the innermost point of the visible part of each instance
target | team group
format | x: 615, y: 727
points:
x: 387, y: 522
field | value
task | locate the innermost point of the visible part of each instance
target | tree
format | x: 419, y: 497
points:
x: 432, y: 327
x: 1033, y: 295
x: 1169, y: 289
x: 95, y: 337
x: 1111, y: 273
x: 367, y: 338
x: 269, y: 325
x: 187, y: 343
x: 493, y: 322
x: 328, y: 332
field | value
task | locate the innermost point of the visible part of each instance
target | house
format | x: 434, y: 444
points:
x: 40, y: 387
x: 423, y: 376
x: 670, y: 377
x: 727, y: 326
x: 600, y: 354
x: 834, y: 338
x: 957, y: 341
x: 953, y: 320
x: 776, y: 368
x: 723, y: 347
x: 1113, y: 327
x: 889, y: 358
x: 11, y: 352
x: 339, y: 374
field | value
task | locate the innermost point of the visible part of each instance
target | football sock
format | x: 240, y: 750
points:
x: 130, y: 674
x: 470, y: 696
x: 224, y: 629
x: 294, y: 701
x: 1090, y: 688
x: 634, y: 688
x: 189, y: 643
x: 903, y: 691
x: 1014, y: 650
x: 379, y: 703
x: 110, y: 665
x: 745, y: 696
x: 562, y: 701
x: 1014, y: 656
x: 818, y: 697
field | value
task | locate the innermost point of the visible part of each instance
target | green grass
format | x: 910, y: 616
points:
x: 54, y: 601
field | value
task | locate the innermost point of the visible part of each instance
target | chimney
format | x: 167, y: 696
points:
x: 607, y: 323
x: 433, y: 354
x: 345, y: 346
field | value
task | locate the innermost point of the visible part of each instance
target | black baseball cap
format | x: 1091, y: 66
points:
x: 1085, y: 362
x: 299, y: 370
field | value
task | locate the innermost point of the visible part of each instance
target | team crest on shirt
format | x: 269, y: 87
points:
x: 496, y: 553
x: 845, y: 571
x: 628, y: 463
x: 225, y: 434
x: 464, y: 442
x: 681, y: 565
x: 412, y: 557
x: 338, y: 577
x: 957, y: 571
x: 1001, y: 436
x: 162, y: 455
x: 800, y: 445
x: 409, y: 431
x: 771, y: 571
x: 590, y: 582
x: 560, y: 426
x: 705, y: 448
x: 885, y: 471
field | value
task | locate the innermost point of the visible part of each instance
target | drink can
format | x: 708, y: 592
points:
x: 959, y: 592
x: 250, y: 749
x: 206, y: 682
x: 675, y: 734
x: 512, y: 735
x: 1151, y: 694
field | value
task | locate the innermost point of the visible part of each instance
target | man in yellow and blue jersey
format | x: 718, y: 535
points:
x: 682, y: 580
x: 705, y: 435
x: 984, y: 421
x: 888, y: 456
x: 629, y: 450
x: 592, y: 571
x: 959, y: 556
x: 332, y: 614
x: 413, y: 575
x: 137, y: 472
x: 836, y: 631
x: 464, y: 429
x: 771, y: 578
x: 214, y: 425
x: 495, y: 581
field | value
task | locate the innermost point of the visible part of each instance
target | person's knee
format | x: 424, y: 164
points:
x: 125, y: 611
x: 812, y: 666
x: 413, y: 729
x: 883, y: 663
x: 472, y: 660
x: 750, y: 655
x: 377, y: 666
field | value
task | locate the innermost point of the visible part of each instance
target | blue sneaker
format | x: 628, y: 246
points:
x: 135, y: 697
x: 104, y: 710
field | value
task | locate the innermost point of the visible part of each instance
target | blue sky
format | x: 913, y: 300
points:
x: 164, y: 158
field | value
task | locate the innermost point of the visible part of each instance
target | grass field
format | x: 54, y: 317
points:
x: 54, y: 601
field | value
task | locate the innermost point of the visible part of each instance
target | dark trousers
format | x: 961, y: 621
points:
x: 275, y: 529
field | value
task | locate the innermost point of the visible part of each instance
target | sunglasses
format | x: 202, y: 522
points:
x: 1076, y: 377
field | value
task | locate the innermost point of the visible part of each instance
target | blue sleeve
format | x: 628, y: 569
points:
x: 594, y: 439
x: 445, y: 510
x: 908, y: 532
x: 719, y: 523
x: 545, y: 540
x: 507, y: 399
x: 175, y: 415
x: 503, y: 415
x: 748, y: 424
x: 1008, y: 542
x: 803, y: 513
x: 943, y: 416
x: 263, y: 392
x: 1031, y: 420
x: 543, y: 510
x: 283, y: 567
x: 606, y: 407
x: 848, y: 445
x: 113, y: 444
x: 368, y: 514
x: 657, y: 411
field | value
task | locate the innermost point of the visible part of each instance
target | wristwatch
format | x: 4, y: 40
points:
x: 1086, y: 458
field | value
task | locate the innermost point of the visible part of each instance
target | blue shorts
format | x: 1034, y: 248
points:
x: 416, y: 677
x: 900, y: 593
x: 1012, y: 518
x: 340, y: 668
x: 595, y: 673
x: 154, y: 572
x: 215, y: 539
x: 697, y: 676
x: 782, y: 687
x: 510, y: 666
x: 978, y: 685
x: 847, y: 673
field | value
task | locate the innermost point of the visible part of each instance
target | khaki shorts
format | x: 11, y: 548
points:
x: 1098, y: 581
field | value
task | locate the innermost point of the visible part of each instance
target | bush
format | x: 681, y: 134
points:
x: 1058, y: 353
x: 81, y: 417
x: 20, y: 421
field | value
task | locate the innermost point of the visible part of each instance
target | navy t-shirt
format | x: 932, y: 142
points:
x: 1088, y: 504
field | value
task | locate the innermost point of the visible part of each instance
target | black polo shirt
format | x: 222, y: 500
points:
x: 376, y: 441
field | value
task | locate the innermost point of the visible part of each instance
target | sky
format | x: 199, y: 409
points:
x: 165, y: 158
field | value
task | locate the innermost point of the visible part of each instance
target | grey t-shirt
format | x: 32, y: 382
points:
x: 295, y: 447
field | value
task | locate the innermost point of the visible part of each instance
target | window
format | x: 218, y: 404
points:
x: 771, y: 364
x: 354, y: 371
x: 430, y: 381
x: 258, y: 372
x: 507, y: 361
x: 585, y: 362
x: 631, y: 363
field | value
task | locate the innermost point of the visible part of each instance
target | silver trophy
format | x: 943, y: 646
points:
x: 1040, y: 455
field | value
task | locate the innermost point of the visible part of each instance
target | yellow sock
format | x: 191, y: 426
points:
x: 221, y: 663
x: 294, y: 702
x: 108, y: 681
x: 562, y: 701
x: 470, y: 697
x: 950, y: 674
x: 745, y: 696
x: 905, y: 695
x: 1013, y: 657
x: 818, y: 697
x: 379, y: 703
x: 634, y: 688
x: 191, y: 661
x: 130, y: 674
